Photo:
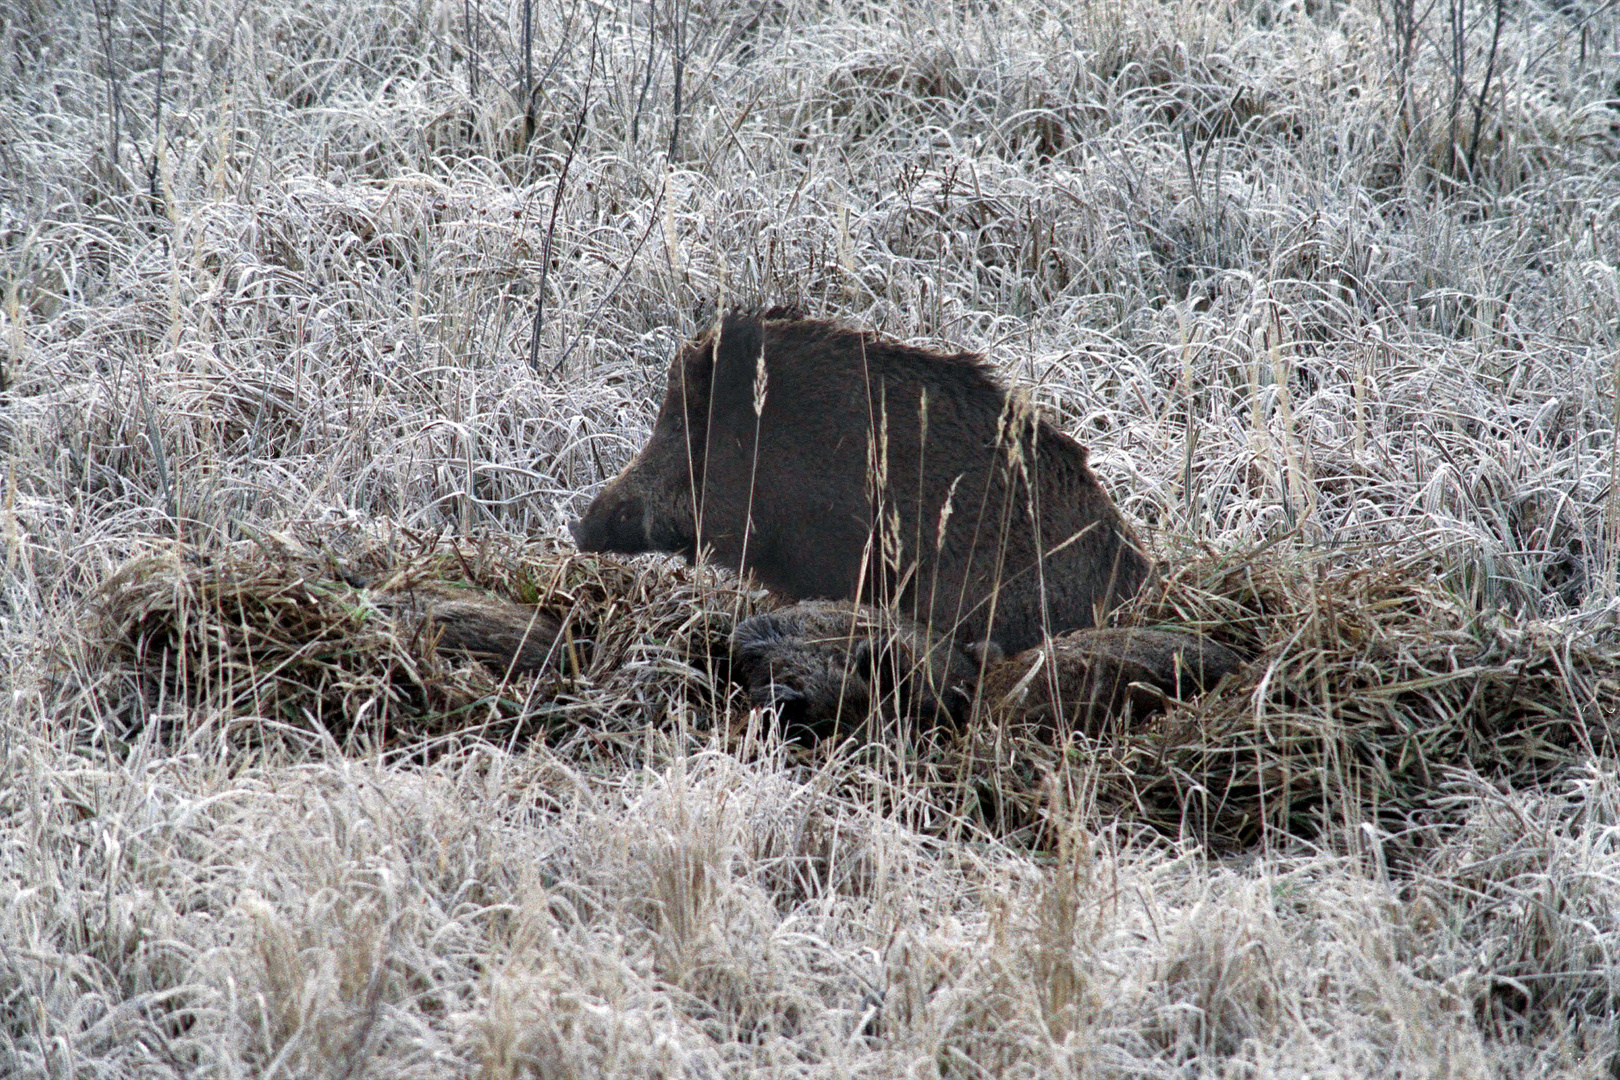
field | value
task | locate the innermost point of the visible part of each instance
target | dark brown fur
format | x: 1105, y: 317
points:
x: 1032, y: 543
x: 465, y: 623
x: 823, y: 663
x: 826, y: 664
x: 1081, y: 679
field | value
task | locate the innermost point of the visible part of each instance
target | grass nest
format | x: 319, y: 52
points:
x: 1370, y: 689
x: 291, y: 637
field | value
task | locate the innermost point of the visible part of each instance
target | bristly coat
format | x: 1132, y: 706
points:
x: 839, y: 464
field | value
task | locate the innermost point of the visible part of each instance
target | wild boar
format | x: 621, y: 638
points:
x: 839, y: 464
x: 825, y: 664
x: 1082, y: 679
x: 507, y: 638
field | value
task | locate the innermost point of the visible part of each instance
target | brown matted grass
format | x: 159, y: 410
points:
x: 297, y: 638
x: 1369, y: 685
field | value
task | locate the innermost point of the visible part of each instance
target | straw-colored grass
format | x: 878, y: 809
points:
x: 282, y: 637
x: 304, y: 304
x: 1370, y: 690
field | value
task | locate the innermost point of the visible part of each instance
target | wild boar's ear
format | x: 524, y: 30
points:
x: 690, y: 377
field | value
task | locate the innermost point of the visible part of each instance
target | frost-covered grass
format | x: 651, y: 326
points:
x: 1289, y: 271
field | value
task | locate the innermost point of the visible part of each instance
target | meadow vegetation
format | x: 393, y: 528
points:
x: 300, y: 297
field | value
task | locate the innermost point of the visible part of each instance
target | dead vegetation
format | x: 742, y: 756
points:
x: 1369, y: 688
x: 366, y: 652
x: 310, y: 311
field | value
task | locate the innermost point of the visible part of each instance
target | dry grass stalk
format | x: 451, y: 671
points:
x: 322, y: 323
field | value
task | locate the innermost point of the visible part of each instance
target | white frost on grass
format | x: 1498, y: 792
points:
x: 1259, y: 257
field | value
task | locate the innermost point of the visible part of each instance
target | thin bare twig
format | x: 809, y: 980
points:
x: 472, y: 50
x: 556, y: 205
x: 646, y: 81
x: 624, y: 272
x: 157, y: 106
x: 678, y: 58
x: 1484, y: 91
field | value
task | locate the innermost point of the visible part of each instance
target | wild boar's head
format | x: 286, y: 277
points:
x: 764, y: 473
x: 654, y: 503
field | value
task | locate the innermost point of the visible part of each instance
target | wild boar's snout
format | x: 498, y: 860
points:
x: 615, y: 521
x: 640, y: 510
x: 576, y: 529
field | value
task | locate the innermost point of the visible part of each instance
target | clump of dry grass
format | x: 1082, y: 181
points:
x: 1370, y: 686
x: 1372, y: 682
x: 278, y: 635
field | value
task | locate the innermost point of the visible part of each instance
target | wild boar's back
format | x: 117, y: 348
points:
x: 858, y: 447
